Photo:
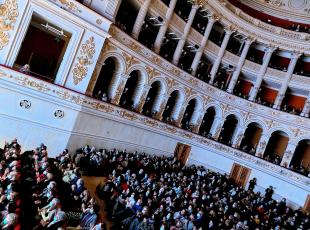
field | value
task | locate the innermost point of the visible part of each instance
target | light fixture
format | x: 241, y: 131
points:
x: 54, y: 30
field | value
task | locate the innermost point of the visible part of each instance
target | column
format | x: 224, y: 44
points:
x: 241, y: 61
x: 163, y: 29
x: 179, y: 48
x: 262, y: 145
x: 306, y: 110
x: 237, y: 138
x: 159, y: 114
x: 120, y: 85
x: 141, y: 103
x: 181, y: 115
x: 216, y: 65
x: 216, y: 127
x: 262, y: 71
x: 198, y: 122
x: 112, y: 90
x: 198, y: 55
x: 286, y: 80
x: 288, y: 155
x: 140, y: 19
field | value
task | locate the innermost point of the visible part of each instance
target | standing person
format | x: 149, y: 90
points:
x: 252, y: 184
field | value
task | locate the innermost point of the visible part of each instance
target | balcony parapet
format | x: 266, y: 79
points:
x: 233, y: 16
x: 13, y: 79
x: 263, y: 25
x: 263, y: 32
x: 125, y: 42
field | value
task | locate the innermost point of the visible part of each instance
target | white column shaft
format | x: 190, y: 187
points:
x: 163, y: 29
x: 202, y: 47
x: 140, y: 19
x: 220, y: 55
x: 179, y: 48
x: 241, y: 61
x: 306, y: 110
x: 285, y: 82
x: 261, y: 75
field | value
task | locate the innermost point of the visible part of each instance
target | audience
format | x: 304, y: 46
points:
x: 152, y: 192
x: 141, y: 192
x: 38, y: 192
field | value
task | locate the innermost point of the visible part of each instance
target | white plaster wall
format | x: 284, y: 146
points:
x: 210, y: 160
x: 102, y: 132
x: 34, y: 125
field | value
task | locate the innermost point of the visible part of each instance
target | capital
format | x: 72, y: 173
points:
x: 249, y: 40
x: 295, y: 54
x: 270, y: 49
x: 199, y: 3
x: 213, y: 18
x: 230, y: 29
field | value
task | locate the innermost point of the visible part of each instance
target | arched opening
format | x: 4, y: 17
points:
x: 228, y: 129
x: 207, y: 122
x: 301, y: 158
x: 127, y: 100
x: 251, y: 138
x: 189, y: 111
x: 107, y: 73
x: 170, y: 106
x: 276, y: 147
x: 153, y: 93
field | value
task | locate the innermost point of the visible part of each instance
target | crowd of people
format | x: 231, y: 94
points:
x: 141, y: 192
x: 38, y: 192
x: 157, y: 192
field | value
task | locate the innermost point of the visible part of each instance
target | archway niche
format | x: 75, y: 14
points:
x: 103, y: 84
x: 152, y: 96
x: 130, y: 90
x: 189, y: 111
x: 207, y: 122
x: 301, y: 157
x: 171, y: 105
x: 251, y: 138
x: 228, y: 129
x: 276, y: 147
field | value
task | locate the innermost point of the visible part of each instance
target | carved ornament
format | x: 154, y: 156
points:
x: 8, y: 17
x: 85, y: 59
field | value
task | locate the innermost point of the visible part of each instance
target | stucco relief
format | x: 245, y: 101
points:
x: 8, y: 17
x: 69, y: 5
x: 85, y: 59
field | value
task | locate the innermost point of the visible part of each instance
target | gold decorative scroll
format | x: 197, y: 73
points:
x: 8, y: 16
x: 69, y: 5
x: 87, y: 52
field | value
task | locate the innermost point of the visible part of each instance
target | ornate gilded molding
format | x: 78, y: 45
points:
x: 69, y: 5
x: 87, y: 52
x: 152, y: 73
x: 8, y: 17
x: 130, y: 60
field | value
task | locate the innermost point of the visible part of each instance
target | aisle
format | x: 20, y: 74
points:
x: 91, y: 183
